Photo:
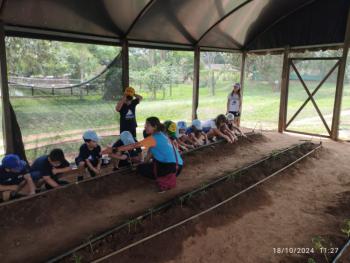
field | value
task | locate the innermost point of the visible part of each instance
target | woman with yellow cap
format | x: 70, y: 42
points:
x: 127, y: 110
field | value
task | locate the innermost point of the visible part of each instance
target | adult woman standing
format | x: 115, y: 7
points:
x: 234, y: 102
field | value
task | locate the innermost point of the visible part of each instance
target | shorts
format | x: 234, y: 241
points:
x: 235, y: 113
x: 163, y: 169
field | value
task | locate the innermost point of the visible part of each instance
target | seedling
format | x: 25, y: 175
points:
x: 77, y: 258
x: 320, y: 245
x: 311, y: 260
x: 346, y: 227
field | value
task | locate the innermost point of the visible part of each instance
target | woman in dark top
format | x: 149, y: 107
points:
x: 127, y: 109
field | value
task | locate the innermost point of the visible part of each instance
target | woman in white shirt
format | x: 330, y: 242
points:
x: 234, y: 102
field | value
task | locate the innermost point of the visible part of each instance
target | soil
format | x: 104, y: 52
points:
x: 286, y: 211
x: 191, y: 206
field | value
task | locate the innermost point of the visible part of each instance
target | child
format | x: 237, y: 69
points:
x: 182, y: 136
x: 218, y: 128
x: 125, y: 158
x: 49, y: 167
x: 234, y: 102
x: 232, y: 126
x: 166, y: 162
x: 171, y: 129
x: 127, y: 109
x: 197, y: 134
x: 14, y: 176
x: 89, y: 155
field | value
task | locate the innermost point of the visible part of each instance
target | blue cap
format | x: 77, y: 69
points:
x: 181, y: 125
x: 12, y: 161
x: 91, y: 135
x: 197, y: 124
x: 127, y: 138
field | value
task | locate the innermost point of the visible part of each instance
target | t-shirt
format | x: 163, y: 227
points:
x: 161, y: 148
x: 86, y: 154
x: 209, y: 124
x: 12, y: 178
x: 132, y: 153
x: 43, y: 167
x: 234, y: 101
x: 128, y: 116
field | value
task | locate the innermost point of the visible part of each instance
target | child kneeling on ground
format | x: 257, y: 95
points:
x: 15, y: 177
x: 183, y: 137
x: 124, y: 158
x: 89, y: 155
x: 218, y: 129
x: 48, y: 169
x: 166, y: 163
x: 231, y: 124
x: 197, y: 134
x: 171, y: 132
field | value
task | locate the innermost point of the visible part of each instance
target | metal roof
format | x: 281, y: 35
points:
x: 213, y: 24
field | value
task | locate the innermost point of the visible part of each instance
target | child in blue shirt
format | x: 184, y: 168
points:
x: 49, y: 168
x: 15, y: 176
x: 89, y: 155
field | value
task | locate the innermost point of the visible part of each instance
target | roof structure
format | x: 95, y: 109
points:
x: 210, y: 24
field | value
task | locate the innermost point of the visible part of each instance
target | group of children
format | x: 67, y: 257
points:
x: 164, y: 143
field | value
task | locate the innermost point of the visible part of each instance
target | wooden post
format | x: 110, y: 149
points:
x: 196, y: 70
x: 340, y: 83
x: 284, y: 92
x: 6, y: 113
x: 242, y: 76
x: 125, y: 63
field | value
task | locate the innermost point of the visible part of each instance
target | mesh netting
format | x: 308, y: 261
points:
x: 54, y: 112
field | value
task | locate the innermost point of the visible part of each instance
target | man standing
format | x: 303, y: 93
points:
x: 127, y: 109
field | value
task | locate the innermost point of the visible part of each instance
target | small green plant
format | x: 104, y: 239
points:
x: 346, y: 227
x: 77, y: 258
x: 311, y: 260
x: 320, y: 245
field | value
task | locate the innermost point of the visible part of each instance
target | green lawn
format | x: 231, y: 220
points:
x: 43, y: 120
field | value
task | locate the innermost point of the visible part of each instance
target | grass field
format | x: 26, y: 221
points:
x: 50, y: 120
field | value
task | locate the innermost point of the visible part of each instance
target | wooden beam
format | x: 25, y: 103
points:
x: 284, y: 92
x: 195, y: 94
x: 125, y: 63
x: 313, y: 93
x: 340, y: 83
x: 6, y: 113
x: 242, y: 76
x: 311, y: 98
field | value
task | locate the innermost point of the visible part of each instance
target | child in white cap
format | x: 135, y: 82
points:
x: 234, y: 102
x: 232, y: 126
x: 89, y: 155
x: 125, y: 158
x: 196, y: 133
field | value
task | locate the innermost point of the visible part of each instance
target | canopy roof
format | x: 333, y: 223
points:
x: 211, y: 24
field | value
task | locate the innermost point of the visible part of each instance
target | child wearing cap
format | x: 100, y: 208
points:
x: 127, y: 109
x: 197, y: 134
x: 89, y: 155
x: 183, y: 137
x: 218, y: 129
x: 234, y: 102
x: 15, y: 176
x: 232, y: 126
x: 125, y: 158
x: 171, y: 132
x: 166, y: 162
x: 49, y: 168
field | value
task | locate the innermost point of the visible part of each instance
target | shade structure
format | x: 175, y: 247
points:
x: 213, y: 24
